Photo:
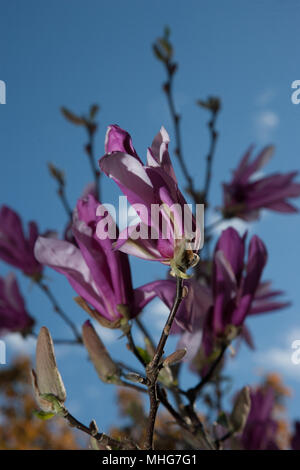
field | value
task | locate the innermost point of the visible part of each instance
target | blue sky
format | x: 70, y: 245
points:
x: 77, y: 53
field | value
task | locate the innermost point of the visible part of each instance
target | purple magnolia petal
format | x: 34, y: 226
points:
x: 163, y: 289
x: 191, y: 342
x: 142, y: 248
x: 96, y: 261
x: 247, y: 337
x: 282, y: 206
x: 238, y: 173
x: 225, y: 273
x: 265, y: 307
x: 257, y: 258
x: 67, y: 259
x: 158, y: 154
x: 245, y: 195
x: 118, y: 140
x: 261, y: 160
x: 233, y: 248
x: 146, y: 186
x: 116, y: 270
x: 15, y: 248
x: 260, y: 430
x: 13, y: 313
x: 90, y: 188
x: 131, y: 177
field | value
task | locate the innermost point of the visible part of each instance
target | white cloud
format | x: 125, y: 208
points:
x: 107, y: 335
x: 266, y: 97
x: 240, y: 225
x: 293, y: 335
x: 266, y: 122
x: 279, y: 359
x: 268, y: 119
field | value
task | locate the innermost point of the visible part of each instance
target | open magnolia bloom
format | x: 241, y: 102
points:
x: 100, y: 275
x: 196, y: 309
x: 167, y: 231
x: 246, y: 195
x: 235, y: 284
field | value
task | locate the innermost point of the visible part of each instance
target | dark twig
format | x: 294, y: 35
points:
x: 133, y: 386
x: 195, y: 429
x: 193, y: 392
x: 59, y: 176
x: 168, y: 89
x: 224, y: 438
x: 62, y: 195
x: 102, y: 438
x: 153, y: 368
x: 132, y: 347
x: 91, y: 128
x: 59, y: 310
x: 214, y: 106
x: 166, y: 331
x: 196, y: 432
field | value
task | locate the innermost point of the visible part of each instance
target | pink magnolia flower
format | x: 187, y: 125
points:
x: 234, y: 285
x: 15, y: 248
x: 190, y: 319
x: 245, y: 195
x: 13, y: 314
x: 174, y: 237
x: 99, y: 274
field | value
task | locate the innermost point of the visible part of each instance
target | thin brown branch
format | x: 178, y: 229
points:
x: 132, y: 347
x: 168, y: 89
x: 90, y: 150
x: 62, y: 196
x: 194, y: 391
x: 209, y: 159
x: 59, y: 310
x: 102, y: 438
x: 152, y: 369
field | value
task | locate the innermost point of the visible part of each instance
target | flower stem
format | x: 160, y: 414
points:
x: 153, y: 368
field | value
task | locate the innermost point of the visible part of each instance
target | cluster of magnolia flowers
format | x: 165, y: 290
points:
x: 219, y: 296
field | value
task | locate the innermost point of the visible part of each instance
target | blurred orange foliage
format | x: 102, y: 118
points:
x: 19, y: 428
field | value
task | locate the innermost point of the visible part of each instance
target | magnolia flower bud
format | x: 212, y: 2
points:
x: 175, y: 357
x: 47, y: 382
x: 241, y: 409
x: 107, y: 370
